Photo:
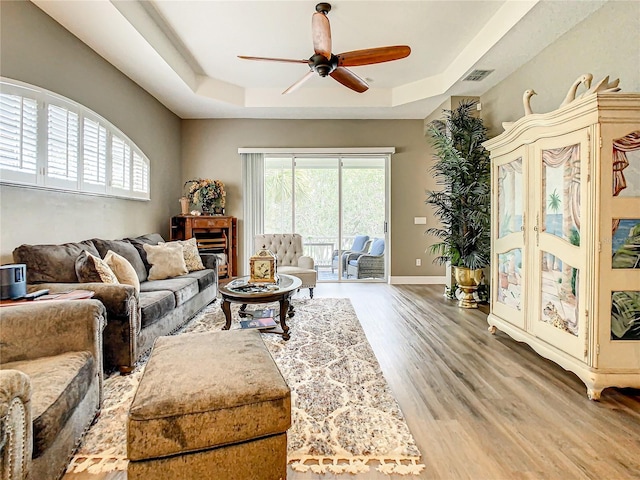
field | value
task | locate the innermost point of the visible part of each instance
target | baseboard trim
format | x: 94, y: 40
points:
x: 415, y: 280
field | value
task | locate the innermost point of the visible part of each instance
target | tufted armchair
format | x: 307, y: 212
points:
x: 367, y: 265
x: 287, y: 247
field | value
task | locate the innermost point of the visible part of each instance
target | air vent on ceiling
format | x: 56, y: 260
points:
x: 477, y: 75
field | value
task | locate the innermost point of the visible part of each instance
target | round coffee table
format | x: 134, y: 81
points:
x: 241, y: 291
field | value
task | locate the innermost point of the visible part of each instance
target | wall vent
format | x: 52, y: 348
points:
x: 477, y: 75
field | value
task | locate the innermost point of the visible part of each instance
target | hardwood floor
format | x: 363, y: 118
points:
x: 483, y: 406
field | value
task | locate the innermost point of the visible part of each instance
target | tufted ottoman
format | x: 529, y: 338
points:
x: 210, y: 406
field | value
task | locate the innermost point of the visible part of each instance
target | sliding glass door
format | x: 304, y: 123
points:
x: 332, y: 201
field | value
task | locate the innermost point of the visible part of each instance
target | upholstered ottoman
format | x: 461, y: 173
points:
x: 209, y: 406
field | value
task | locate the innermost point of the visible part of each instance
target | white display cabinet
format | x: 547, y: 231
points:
x: 565, y: 250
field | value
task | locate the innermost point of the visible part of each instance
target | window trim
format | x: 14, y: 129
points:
x: 40, y: 180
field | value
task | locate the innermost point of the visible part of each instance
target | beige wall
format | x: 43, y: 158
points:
x: 37, y: 50
x: 210, y: 149
x: 606, y: 43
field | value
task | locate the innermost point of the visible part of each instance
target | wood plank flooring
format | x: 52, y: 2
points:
x: 483, y: 406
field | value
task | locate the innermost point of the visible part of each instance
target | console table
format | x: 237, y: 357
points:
x: 214, y: 234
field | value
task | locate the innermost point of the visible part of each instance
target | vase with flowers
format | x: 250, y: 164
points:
x: 207, y: 193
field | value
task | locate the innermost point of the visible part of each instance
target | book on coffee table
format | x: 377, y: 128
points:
x: 261, y: 323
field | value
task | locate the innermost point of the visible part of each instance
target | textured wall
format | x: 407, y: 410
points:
x: 37, y: 50
x: 606, y: 43
x: 210, y: 149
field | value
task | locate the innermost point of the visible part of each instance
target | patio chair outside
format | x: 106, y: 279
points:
x: 359, y: 246
x: 367, y: 265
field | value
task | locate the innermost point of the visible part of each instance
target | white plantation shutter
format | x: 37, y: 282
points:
x: 51, y: 142
x: 18, y: 137
x: 120, y: 163
x: 62, y: 146
x: 140, y: 174
x: 94, y: 158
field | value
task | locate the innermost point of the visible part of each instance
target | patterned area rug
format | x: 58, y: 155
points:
x: 344, y: 417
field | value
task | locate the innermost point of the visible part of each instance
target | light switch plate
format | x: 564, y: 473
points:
x: 419, y: 220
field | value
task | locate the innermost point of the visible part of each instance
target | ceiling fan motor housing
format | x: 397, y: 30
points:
x: 323, y: 66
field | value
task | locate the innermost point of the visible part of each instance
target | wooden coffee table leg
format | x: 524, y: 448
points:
x: 242, y: 313
x: 226, y: 308
x: 284, y: 307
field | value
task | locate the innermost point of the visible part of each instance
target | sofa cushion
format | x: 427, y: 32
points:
x: 166, y: 260
x: 92, y: 269
x: 307, y: 276
x: 125, y: 249
x: 205, y: 278
x: 59, y: 384
x: 377, y: 247
x: 52, y: 263
x: 155, y: 305
x: 122, y: 269
x: 184, y: 288
x: 141, y: 241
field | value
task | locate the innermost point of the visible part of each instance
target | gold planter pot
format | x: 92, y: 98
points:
x: 468, y: 281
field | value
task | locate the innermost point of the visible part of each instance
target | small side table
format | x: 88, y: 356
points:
x: 71, y: 295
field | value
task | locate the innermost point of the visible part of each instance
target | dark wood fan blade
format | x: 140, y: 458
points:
x: 370, y: 56
x: 297, y: 85
x: 349, y: 79
x: 267, y: 59
x: 321, y: 32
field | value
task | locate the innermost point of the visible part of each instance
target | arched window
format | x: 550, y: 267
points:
x: 48, y: 141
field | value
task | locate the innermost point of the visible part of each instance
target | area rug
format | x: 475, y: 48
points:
x: 344, y: 417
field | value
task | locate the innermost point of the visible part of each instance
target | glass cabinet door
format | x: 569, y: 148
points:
x: 508, y: 262
x: 557, y: 256
x: 619, y: 297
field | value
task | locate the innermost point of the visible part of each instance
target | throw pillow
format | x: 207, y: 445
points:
x: 191, y: 255
x: 92, y: 269
x: 139, y: 242
x: 166, y: 260
x: 122, y: 269
x: 124, y: 249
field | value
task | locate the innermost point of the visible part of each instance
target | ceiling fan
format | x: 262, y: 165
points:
x: 324, y: 63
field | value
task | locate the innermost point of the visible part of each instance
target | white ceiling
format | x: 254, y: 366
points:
x: 185, y: 52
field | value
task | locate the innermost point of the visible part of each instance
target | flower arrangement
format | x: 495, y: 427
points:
x: 206, y: 192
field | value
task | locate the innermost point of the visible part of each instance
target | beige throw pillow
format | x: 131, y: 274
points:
x: 191, y: 255
x: 122, y: 269
x: 92, y: 269
x: 166, y: 260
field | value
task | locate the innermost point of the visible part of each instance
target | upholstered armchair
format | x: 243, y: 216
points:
x: 50, y: 384
x: 360, y: 245
x: 367, y: 265
x: 287, y: 247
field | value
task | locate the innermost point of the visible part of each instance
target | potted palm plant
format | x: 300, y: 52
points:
x: 463, y: 205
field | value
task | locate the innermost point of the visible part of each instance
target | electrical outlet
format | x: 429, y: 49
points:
x: 418, y: 262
